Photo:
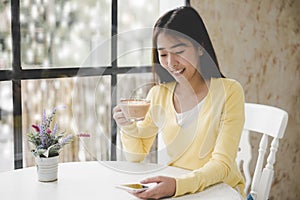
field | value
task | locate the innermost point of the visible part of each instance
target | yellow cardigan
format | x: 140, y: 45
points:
x: 208, y: 146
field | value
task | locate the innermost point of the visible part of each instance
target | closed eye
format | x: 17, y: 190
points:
x: 179, y: 52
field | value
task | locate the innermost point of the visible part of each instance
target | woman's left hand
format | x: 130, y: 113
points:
x: 166, y: 187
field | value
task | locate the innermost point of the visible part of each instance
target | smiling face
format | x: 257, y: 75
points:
x: 178, y: 56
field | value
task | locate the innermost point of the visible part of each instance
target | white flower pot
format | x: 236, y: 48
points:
x: 47, y: 168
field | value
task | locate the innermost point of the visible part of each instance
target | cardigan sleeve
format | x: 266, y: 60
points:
x: 137, y: 138
x: 225, y: 149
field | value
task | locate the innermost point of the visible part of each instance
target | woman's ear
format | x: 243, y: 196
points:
x: 200, y: 51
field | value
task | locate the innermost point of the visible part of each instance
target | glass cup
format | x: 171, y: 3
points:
x: 135, y: 109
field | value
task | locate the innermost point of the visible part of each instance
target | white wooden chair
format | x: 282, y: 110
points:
x: 271, y: 122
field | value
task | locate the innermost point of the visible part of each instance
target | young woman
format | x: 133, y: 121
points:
x: 197, y: 112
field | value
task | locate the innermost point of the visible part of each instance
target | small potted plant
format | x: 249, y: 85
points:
x: 48, y: 142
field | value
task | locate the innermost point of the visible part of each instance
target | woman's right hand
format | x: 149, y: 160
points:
x: 119, y: 117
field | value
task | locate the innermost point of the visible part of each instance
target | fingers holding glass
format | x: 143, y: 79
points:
x: 119, y: 117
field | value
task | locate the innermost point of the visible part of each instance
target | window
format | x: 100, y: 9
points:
x: 6, y: 126
x: 73, y: 53
x: 5, y: 36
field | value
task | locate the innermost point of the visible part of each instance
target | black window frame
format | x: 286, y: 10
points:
x: 17, y: 74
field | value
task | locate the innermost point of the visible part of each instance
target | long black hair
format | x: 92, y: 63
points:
x: 186, y: 22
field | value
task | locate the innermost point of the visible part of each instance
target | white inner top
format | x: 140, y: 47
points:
x: 185, y: 118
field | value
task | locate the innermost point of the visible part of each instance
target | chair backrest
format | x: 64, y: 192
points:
x: 270, y: 122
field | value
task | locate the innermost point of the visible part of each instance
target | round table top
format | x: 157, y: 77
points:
x: 95, y: 180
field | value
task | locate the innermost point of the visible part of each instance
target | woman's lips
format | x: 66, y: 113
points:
x: 178, y: 72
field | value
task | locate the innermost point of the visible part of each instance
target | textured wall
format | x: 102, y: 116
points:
x: 258, y: 44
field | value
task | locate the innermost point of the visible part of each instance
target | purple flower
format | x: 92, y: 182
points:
x: 55, y: 129
x: 44, y: 119
x: 42, y: 135
x: 58, y: 108
x: 66, y: 140
x: 41, y: 129
x: 44, y: 142
x: 46, y: 138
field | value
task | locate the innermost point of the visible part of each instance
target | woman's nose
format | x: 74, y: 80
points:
x: 172, y: 60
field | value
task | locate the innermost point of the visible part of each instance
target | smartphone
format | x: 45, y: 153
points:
x: 133, y: 187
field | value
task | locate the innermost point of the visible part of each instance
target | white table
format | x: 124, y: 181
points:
x: 94, y: 180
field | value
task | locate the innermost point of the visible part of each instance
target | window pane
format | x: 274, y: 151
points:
x: 87, y: 102
x: 136, y: 19
x: 5, y: 36
x: 6, y: 127
x: 167, y: 5
x: 133, y: 85
x: 62, y: 33
x: 135, y: 47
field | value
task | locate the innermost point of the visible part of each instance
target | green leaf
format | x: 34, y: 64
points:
x: 54, y: 149
x: 41, y: 152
